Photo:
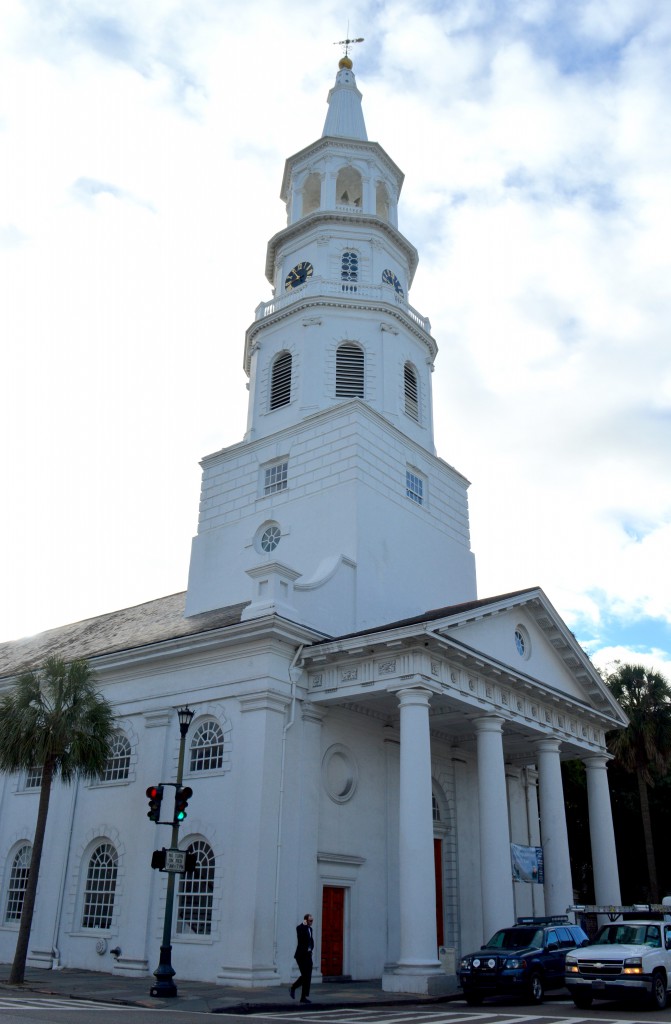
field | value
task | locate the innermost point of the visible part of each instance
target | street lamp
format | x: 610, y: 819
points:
x: 165, y: 972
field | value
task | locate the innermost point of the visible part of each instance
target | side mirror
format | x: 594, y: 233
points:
x: 552, y: 946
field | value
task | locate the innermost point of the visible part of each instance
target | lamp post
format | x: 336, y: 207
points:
x: 165, y: 972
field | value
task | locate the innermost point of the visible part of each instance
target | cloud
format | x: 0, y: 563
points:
x: 536, y: 142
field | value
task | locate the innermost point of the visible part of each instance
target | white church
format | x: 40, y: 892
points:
x: 372, y: 742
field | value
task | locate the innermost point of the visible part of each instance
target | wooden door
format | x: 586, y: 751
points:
x: 333, y: 930
x: 438, y: 866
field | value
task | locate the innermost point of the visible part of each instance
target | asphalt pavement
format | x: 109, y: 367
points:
x: 202, y: 996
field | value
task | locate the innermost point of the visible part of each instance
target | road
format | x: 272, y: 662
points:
x: 36, y: 1009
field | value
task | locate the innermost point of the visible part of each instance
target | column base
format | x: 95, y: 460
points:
x: 249, y: 977
x: 419, y: 979
x: 131, y: 966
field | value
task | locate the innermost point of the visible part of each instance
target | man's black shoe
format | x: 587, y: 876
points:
x: 306, y: 1000
x: 292, y: 993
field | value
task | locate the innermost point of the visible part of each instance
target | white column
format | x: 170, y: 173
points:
x: 602, y: 836
x: 418, y: 965
x: 416, y: 869
x: 554, y: 837
x: 495, y: 871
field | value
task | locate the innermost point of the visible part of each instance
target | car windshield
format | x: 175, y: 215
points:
x: 629, y: 935
x: 516, y: 938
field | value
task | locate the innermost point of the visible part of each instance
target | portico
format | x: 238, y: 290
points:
x: 442, y: 698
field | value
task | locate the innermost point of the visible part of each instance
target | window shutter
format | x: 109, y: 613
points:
x: 280, y: 385
x: 349, y: 372
x: 411, y: 395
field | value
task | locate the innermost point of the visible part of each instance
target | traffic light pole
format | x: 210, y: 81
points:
x: 165, y: 986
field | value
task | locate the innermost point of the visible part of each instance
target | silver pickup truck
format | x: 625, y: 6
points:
x: 625, y: 959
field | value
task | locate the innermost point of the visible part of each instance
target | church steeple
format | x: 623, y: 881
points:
x: 345, y: 115
x: 334, y: 510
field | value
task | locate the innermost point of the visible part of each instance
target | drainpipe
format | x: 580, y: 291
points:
x: 55, y: 951
x: 294, y: 675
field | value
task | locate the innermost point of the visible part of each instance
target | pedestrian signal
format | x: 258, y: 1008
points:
x: 182, y: 796
x: 155, y: 796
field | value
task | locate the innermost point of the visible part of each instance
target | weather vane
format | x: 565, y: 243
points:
x: 348, y: 42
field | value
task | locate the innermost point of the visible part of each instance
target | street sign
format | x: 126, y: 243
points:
x: 175, y: 861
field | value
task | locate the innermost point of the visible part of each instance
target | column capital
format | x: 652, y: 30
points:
x: 488, y: 723
x: 547, y: 745
x: 413, y: 693
x: 597, y: 761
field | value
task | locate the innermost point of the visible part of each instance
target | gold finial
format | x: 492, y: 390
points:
x: 345, y: 62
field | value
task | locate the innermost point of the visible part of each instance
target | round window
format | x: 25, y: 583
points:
x: 522, y: 642
x: 270, y: 538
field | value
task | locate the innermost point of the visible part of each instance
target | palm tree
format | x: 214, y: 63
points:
x: 53, y: 719
x: 644, y: 747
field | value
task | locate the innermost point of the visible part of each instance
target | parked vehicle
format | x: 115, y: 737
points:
x: 523, y: 960
x: 626, y: 959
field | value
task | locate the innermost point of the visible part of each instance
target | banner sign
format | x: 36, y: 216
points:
x: 527, y: 863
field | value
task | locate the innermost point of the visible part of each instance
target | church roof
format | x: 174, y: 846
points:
x: 123, y: 630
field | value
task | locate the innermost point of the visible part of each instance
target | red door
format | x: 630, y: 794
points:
x: 333, y: 927
x: 438, y: 865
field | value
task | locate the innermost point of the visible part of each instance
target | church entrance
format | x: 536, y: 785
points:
x: 438, y: 867
x: 333, y: 931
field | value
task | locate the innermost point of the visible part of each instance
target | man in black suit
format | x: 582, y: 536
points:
x: 303, y: 957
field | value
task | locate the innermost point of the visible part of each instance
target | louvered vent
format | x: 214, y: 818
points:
x: 280, y: 386
x: 349, y: 371
x: 411, y: 397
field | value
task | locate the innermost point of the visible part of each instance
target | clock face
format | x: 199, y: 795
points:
x: 389, y: 277
x: 298, y: 275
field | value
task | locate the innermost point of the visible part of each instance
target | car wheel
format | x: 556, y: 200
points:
x: 474, y: 998
x: 536, y: 988
x: 658, y: 994
x: 582, y: 1000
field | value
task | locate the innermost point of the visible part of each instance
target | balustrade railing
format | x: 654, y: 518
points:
x: 317, y: 286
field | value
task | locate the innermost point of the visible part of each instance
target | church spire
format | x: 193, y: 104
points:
x: 345, y: 116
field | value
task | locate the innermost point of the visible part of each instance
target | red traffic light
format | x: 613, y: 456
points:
x: 155, y: 796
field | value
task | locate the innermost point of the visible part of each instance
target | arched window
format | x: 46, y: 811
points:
x: 349, y: 189
x: 411, y: 392
x: 312, y: 193
x: 118, y: 762
x: 194, y: 896
x: 18, y: 880
x: 349, y: 266
x: 207, y: 747
x: 280, y: 382
x: 382, y: 201
x: 349, y: 371
x: 100, y: 887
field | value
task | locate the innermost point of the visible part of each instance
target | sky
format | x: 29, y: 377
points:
x: 142, y: 147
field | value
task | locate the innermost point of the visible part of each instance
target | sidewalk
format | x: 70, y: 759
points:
x: 202, y: 996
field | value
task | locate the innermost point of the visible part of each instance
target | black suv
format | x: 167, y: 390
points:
x: 523, y: 960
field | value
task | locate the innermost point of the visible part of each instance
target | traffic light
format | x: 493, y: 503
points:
x: 155, y: 796
x: 158, y: 859
x: 182, y: 796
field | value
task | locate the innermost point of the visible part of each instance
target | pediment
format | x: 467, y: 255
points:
x: 525, y: 633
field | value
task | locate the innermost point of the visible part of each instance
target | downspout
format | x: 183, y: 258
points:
x: 293, y: 676
x: 55, y: 951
